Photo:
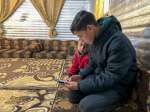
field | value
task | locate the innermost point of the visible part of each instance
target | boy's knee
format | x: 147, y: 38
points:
x: 89, y: 105
x: 86, y: 106
x: 75, y: 97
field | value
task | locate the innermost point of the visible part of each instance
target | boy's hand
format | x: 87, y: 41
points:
x: 75, y: 78
x: 72, y: 85
x: 66, y: 78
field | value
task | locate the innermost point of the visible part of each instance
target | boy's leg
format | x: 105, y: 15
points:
x: 101, y: 102
x: 75, y: 96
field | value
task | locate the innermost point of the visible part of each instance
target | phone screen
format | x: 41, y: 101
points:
x: 62, y: 81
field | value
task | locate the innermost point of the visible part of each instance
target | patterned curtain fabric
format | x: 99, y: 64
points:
x: 7, y: 8
x: 49, y: 11
x: 99, y: 8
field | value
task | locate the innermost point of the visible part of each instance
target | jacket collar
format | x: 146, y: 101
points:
x: 108, y: 27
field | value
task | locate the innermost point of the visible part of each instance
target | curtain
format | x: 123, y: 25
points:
x: 99, y: 8
x: 7, y: 8
x: 49, y: 11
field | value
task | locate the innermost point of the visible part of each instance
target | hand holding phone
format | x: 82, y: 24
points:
x: 62, y: 81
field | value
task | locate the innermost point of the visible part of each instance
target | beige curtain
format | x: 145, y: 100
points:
x: 49, y: 11
x: 99, y: 8
x: 7, y: 8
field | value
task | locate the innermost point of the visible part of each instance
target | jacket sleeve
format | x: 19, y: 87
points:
x: 118, y: 64
x: 85, y: 61
x: 74, y: 68
x: 89, y: 69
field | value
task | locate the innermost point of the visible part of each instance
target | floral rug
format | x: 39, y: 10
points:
x: 28, y: 85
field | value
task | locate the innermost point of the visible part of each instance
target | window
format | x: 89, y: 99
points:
x: 27, y: 23
x: 71, y: 7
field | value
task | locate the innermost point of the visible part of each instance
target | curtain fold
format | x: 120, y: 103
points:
x: 49, y: 11
x: 99, y: 8
x: 7, y: 8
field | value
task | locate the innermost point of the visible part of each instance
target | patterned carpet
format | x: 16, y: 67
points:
x: 28, y: 85
x: 61, y: 103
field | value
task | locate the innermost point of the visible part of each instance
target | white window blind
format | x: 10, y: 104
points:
x: 27, y: 23
x: 71, y: 7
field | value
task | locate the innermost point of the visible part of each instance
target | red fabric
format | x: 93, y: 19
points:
x: 78, y: 62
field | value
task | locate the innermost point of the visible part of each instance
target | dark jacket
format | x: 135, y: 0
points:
x: 112, y: 61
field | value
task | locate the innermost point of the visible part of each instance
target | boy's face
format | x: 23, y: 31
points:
x: 87, y: 35
x: 81, y: 46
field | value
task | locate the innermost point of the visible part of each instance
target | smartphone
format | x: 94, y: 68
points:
x: 62, y: 81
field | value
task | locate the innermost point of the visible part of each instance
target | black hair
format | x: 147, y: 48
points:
x: 81, y: 20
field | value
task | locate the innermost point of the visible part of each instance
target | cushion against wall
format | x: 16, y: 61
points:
x: 55, y: 49
x: 2, y: 51
x: 47, y: 45
x: 56, y: 45
x: 8, y: 53
x: 7, y: 44
x: 35, y: 48
x: 64, y: 46
x: 19, y: 54
x: 41, y: 54
x: 25, y: 44
x: 17, y: 44
x: 143, y: 57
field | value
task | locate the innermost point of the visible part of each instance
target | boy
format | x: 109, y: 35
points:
x: 113, y: 59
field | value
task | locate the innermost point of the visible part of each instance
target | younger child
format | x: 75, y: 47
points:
x: 80, y: 58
